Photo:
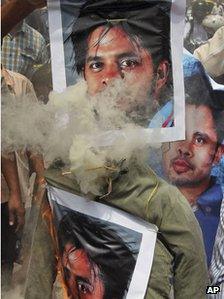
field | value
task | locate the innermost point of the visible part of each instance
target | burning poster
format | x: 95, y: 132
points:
x: 127, y: 52
x: 103, y: 252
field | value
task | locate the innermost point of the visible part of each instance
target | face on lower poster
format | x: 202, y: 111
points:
x: 102, y: 250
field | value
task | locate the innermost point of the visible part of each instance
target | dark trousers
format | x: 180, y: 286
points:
x: 8, y: 247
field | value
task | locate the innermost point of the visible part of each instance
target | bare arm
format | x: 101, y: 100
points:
x: 15, y: 205
x: 37, y: 164
x: 15, y: 11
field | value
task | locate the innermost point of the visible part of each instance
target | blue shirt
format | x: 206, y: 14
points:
x: 163, y: 117
x: 208, y: 215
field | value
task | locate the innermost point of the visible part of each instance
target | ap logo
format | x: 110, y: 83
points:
x: 212, y: 289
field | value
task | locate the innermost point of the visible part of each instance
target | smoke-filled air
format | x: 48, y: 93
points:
x: 93, y: 135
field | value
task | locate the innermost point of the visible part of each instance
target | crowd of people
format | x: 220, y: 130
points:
x: 204, y: 35
x: 24, y: 53
x: 194, y: 166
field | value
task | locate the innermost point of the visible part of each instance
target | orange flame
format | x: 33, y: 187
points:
x: 48, y: 218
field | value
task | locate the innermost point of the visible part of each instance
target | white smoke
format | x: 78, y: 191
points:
x: 15, y: 293
x: 47, y: 129
x: 92, y: 135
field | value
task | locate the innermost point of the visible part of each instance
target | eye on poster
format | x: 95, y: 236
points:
x: 130, y: 51
x: 103, y: 252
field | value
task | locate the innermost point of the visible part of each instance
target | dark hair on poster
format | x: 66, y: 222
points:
x: 198, y: 91
x: 102, y: 250
x: 146, y: 23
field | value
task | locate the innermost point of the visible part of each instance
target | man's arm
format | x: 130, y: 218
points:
x: 15, y: 205
x: 36, y: 160
x: 37, y: 166
x: 15, y: 11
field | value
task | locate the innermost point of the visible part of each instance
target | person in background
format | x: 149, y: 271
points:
x: 211, y: 55
x: 195, y: 32
x: 217, y: 264
x: 22, y: 49
x: 42, y: 82
x: 38, y: 20
x: 17, y: 86
x: 12, y: 218
x: 218, y: 8
x: 14, y: 11
x: 16, y: 190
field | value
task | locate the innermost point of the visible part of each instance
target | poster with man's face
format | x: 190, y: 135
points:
x: 103, y: 252
x: 127, y: 57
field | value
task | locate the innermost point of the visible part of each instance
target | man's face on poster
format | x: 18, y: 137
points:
x: 189, y: 162
x: 113, y: 55
x: 83, y: 276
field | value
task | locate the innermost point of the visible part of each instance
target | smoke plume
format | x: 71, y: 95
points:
x: 95, y: 135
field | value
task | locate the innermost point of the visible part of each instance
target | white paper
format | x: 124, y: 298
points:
x: 139, y: 280
x: 154, y: 135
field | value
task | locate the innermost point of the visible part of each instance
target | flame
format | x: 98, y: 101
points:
x: 48, y: 218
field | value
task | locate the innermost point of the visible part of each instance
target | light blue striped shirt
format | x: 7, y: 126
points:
x: 24, y: 49
x: 217, y: 264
